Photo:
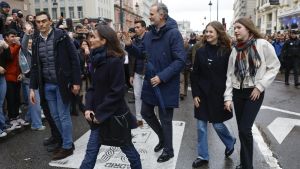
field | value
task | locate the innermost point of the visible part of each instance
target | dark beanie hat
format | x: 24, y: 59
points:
x: 293, y: 32
x: 4, y: 5
x: 15, y: 11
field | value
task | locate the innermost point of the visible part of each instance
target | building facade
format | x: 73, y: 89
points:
x: 289, y: 15
x: 266, y: 16
x: 143, y: 8
x: 281, y: 16
x: 23, y: 5
x: 244, y: 8
x: 75, y: 9
x: 129, y: 15
x: 184, y: 28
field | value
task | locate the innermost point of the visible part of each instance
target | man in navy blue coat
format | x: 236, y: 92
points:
x: 164, y: 50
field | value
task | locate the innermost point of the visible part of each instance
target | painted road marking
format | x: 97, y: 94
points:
x: 264, y: 149
x: 280, y: 110
x: 111, y: 157
x: 281, y: 127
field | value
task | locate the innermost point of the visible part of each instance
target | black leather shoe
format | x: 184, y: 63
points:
x: 53, y: 147
x: 229, y: 152
x: 199, y: 162
x: 48, y: 141
x: 287, y: 83
x: 159, y: 146
x: 164, y: 157
x: 239, y: 167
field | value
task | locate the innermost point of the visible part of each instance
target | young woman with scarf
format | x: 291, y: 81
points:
x: 252, y: 67
x: 208, y: 80
x: 105, y: 97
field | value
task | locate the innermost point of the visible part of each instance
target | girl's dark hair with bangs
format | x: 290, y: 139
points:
x: 112, y: 42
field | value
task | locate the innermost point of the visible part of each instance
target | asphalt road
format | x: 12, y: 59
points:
x: 23, y: 149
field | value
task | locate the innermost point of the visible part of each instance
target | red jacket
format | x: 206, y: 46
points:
x: 13, y: 69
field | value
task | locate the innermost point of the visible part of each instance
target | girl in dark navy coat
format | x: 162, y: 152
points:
x: 106, y: 96
x: 208, y: 82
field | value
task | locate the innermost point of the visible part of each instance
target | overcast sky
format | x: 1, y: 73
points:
x: 195, y: 11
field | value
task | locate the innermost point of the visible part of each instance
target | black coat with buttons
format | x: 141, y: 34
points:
x: 208, y: 82
x: 106, y: 95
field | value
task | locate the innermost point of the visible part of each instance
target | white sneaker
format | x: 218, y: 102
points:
x: 15, y: 124
x: 42, y: 115
x: 9, y: 127
x: 39, y: 129
x: 3, y: 134
x: 22, y: 122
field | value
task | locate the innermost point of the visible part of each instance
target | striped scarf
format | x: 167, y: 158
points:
x: 247, y: 59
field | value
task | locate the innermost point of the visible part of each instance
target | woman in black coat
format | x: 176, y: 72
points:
x: 208, y: 80
x: 106, y: 96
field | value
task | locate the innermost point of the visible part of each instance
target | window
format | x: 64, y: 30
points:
x: 80, y: 12
x: 37, y: 11
x: 71, y: 12
x: 54, y: 13
x: 46, y: 10
x: 62, y: 12
x: 36, y: 1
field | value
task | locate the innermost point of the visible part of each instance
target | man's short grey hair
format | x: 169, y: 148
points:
x: 162, y: 8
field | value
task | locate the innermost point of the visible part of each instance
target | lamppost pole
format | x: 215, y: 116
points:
x: 121, y: 15
x: 210, y: 4
x: 217, y: 10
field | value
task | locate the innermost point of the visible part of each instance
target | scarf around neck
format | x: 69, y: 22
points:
x: 247, y: 59
x: 98, y: 56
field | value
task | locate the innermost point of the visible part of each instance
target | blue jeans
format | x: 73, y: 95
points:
x: 60, y: 113
x: 2, y: 97
x: 137, y: 88
x: 25, y: 93
x: 93, y: 147
x: 34, y: 110
x: 222, y: 132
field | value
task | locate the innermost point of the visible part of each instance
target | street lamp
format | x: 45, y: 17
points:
x: 217, y: 10
x: 210, y: 4
x: 137, y: 9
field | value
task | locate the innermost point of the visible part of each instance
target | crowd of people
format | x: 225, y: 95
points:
x: 48, y: 66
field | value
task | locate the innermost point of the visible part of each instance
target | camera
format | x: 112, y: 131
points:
x: 20, y: 15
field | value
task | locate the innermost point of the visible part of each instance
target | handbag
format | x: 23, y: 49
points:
x: 116, y: 131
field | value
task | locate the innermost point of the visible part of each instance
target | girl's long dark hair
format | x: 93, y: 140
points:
x: 223, y: 38
x: 112, y: 42
x: 224, y: 42
x: 248, y: 23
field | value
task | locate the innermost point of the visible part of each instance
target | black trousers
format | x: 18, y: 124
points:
x: 13, y: 99
x: 246, y: 111
x: 163, y: 129
x: 293, y: 64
